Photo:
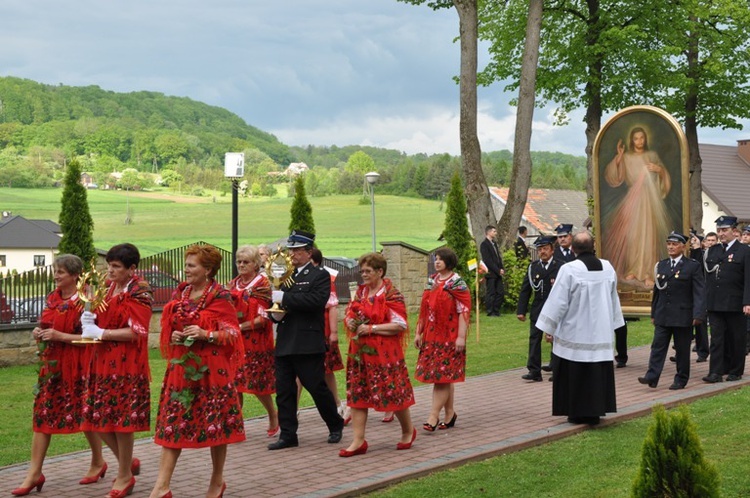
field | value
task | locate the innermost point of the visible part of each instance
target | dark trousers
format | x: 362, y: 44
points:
x: 310, y: 370
x: 728, y: 336
x: 534, y: 362
x: 660, y: 347
x: 493, y: 295
x: 621, y: 344
x: 701, y: 340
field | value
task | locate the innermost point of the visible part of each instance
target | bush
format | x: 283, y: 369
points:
x: 672, y: 462
x: 515, y: 272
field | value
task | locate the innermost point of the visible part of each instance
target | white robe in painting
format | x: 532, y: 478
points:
x: 582, y: 313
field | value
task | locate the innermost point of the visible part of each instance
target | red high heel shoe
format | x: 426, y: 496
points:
x: 359, y: 451
x: 24, y: 491
x: 388, y: 418
x: 168, y: 495
x: 406, y: 446
x: 122, y: 493
x: 135, y: 467
x: 221, y: 493
x: 93, y: 479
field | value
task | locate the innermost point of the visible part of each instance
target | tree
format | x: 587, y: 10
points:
x: 75, y: 220
x: 301, y: 210
x: 520, y: 179
x: 672, y: 462
x: 477, y: 193
x: 456, y: 232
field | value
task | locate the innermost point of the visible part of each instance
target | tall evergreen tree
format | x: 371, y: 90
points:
x: 75, y: 219
x: 301, y: 210
x: 456, y: 232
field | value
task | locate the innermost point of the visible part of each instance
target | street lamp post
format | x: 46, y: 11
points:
x: 234, y: 169
x: 372, y: 179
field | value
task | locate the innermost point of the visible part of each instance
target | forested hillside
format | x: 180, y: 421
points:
x: 148, y: 136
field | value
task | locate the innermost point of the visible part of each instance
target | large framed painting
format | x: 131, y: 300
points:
x: 640, y: 195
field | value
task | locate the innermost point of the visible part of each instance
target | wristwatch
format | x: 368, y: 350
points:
x: 211, y: 337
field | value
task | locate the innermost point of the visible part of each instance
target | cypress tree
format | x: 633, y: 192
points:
x: 672, y: 462
x: 301, y: 210
x: 75, y: 219
x: 456, y: 232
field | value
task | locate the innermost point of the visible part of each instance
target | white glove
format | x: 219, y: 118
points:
x: 88, y: 318
x: 278, y: 316
x: 277, y: 296
x: 91, y: 331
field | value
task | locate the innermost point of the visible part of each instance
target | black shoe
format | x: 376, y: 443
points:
x: 334, y: 437
x: 713, y: 378
x: 651, y: 383
x: 701, y: 359
x: 673, y: 359
x: 676, y: 387
x: 732, y: 377
x: 547, y: 368
x: 550, y: 378
x: 584, y: 420
x: 621, y: 364
x: 530, y: 376
x: 283, y: 443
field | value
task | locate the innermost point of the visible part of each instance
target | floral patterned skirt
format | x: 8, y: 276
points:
x: 378, y: 380
x: 58, y: 405
x: 118, y: 398
x: 257, y: 373
x: 333, y: 361
x: 203, y: 412
x: 440, y: 363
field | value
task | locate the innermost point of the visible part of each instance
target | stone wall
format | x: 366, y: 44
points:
x: 407, y: 269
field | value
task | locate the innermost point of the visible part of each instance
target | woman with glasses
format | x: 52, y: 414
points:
x: 251, y: 294
x: 376, y: 374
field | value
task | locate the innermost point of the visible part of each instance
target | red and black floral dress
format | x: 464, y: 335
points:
x: 63, y: 372
x: 256, y: 370
x: 203, y: 410
x: 333, y: 361
x: 376, y: 373
x: 118, y: 398
x: 442, y: 305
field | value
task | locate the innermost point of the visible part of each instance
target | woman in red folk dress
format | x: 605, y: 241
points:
x: 199, y: 406
x: 118, y: 398
x: 376, y: 374
x: 441, y: 337
x: 62, y: 376
x: 251, y: 294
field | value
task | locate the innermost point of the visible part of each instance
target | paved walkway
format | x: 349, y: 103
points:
x: 497, y: 413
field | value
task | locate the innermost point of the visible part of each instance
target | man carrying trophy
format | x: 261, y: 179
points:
x: 300, y: 343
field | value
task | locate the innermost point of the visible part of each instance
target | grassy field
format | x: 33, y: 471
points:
x: 503, y: 345
x: 163, y: 220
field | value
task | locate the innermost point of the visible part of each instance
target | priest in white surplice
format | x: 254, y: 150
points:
x: 581, y: 315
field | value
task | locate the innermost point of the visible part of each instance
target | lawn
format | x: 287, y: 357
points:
x: 163, y: 220
x: 503, y: 345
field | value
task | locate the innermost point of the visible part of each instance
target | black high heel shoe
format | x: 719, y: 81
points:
x: 429, y: 427
x: 444, y: 425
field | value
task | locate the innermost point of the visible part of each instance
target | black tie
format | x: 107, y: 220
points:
x: 724, y: 246
x: 673, y: 264
x: 565, y: 252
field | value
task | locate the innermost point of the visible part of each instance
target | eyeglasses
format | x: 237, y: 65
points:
x: 243, y: 262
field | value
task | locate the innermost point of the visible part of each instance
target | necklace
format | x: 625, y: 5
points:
x: 194, y: 314
x: 241, y: 286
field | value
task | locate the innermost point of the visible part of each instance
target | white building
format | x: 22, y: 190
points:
x: 26, y: 244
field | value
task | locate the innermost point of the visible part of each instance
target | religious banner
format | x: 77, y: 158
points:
x: 641, y: 194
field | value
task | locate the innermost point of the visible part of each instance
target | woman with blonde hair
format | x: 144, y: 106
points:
x: 251, y: 294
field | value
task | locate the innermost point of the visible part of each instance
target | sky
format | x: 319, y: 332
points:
x: 320, y: 72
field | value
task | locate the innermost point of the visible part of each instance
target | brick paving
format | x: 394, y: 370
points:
x: 497, y: 413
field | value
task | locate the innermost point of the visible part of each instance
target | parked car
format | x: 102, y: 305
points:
x: 162, y: 285
x: 6, y: 312
x: 344, y: 261
x: 28, y: 309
